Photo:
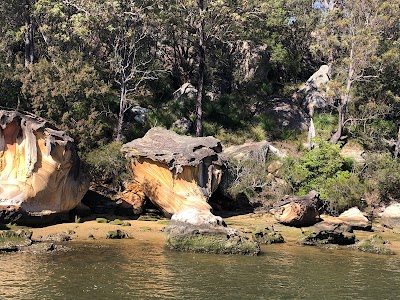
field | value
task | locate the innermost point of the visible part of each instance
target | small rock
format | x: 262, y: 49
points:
x: 91, y: 236
x: 355, y: 218
x: 268, y: 236
x: 58, y: 237
x: 40, y: 247
x: 182, y: 125
x: 116, y: 222
x: 116, y: 234
x: 101, y: 220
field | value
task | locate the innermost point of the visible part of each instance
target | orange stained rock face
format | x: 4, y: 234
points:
x: 38, y: 170
x: 175, y: 193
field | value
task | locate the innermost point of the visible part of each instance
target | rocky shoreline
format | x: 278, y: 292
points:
x: 53, y: 237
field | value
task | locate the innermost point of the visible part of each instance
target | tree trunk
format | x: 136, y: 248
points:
x: 344, y: 101
x: 122, y: 107
x: 201, y: 71
x: 29, y: 41
x: 397, y: 149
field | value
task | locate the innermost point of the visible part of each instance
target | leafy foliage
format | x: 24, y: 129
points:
x: 107, y: 165
x: 325, y: 170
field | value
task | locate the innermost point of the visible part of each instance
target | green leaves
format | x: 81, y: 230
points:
x: 324, y: 169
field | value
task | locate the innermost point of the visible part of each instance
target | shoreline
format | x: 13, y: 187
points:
x: 152, y: 230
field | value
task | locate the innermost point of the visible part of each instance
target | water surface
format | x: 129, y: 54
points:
x: 130, y: 269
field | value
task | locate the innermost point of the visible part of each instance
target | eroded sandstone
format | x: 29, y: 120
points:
x: 40, y: 170
x: 177, y: 173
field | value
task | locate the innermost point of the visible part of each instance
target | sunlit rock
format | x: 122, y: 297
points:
x: 356, y: 219
x: 39, y: 168
x: 177, y: 173
x: 298, y: 210
x: 391, y: 216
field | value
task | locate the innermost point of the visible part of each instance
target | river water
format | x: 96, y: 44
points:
x: 128, y: 269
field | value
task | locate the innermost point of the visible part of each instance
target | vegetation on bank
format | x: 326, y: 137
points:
x: 86, y: 66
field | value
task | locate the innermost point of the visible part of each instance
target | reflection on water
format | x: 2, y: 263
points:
x: 133, y: 270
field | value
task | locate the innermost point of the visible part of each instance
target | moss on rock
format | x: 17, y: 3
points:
x: 327, y: 233
x: 116, y: 222
x: 218, y: 240
x: 13, y: 240
x: 101, y: 220
x: 374, y: 244
x: 267, y: 236
x: 116, y: 234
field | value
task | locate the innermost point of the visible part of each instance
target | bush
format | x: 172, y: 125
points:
x: 107, y: 165
x: 247, y: 174
x: 382, y: 175
x: 325, y: 170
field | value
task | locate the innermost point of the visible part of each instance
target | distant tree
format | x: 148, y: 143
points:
x: 131, y: 59
x: 348, y: 39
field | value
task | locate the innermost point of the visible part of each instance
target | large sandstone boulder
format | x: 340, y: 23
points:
x: 356, y: 219
x: 40, y: 172
x: 177, y: 173
x: 391, y: 216
x: 312, y: 94
x: 298, y: 210
x: 352, y: 217
x: 284, y: 114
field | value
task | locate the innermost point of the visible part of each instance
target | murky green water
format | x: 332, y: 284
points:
x: 133, y: 270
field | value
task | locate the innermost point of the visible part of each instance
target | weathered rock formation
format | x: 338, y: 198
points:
x: 39, y: 168
x: 328, y: 233
x: 177, y: 173
x: 217, y: 239
x: 356, y: 219
x: 391, y: 216
x: 312, y: 94
x: 284, y: 114
x: 352, y: 217
x: 298, y: 210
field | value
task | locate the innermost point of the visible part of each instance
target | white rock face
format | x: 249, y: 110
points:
x: 312, y: 93
x: 196, y: 217
x: 355, y: 218
x: 391, y: 216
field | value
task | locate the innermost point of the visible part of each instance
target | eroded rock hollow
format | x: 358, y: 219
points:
x: 40, y: 170
x: 177, y: 173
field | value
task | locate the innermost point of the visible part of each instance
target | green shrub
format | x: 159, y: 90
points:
x: 101, y: 220
x: 107, y: 164
x: 382, y: 175
x: 325, y: 124
x: 325, y: 170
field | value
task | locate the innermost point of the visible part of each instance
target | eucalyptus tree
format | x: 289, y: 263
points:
x: 349, y: 39
x: 190, y: 29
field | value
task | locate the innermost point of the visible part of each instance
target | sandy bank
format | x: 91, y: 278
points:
x: 152, y: 231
